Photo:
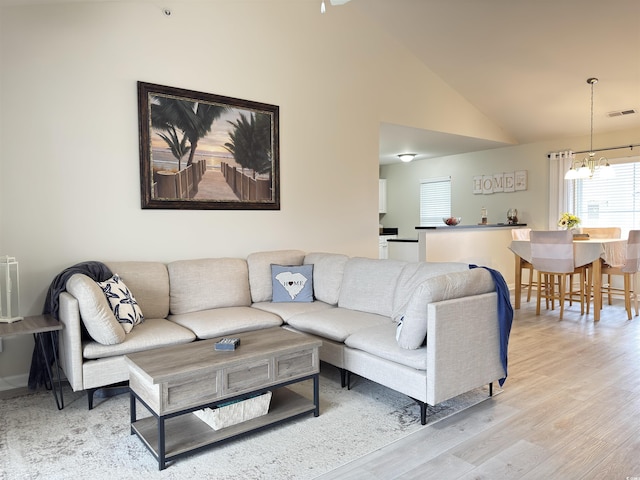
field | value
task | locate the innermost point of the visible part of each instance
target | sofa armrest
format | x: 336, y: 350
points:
x: 463, y: 346
x: 70, y: 340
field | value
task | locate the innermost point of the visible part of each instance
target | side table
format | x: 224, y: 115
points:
x: 39, y: 325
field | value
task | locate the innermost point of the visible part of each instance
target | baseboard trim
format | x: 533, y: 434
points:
x: 14, y: 382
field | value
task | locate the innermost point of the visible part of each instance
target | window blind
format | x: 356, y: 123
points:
x: 435, y: 201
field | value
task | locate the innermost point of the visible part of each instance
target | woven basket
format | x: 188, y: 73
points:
x: 236, y: 412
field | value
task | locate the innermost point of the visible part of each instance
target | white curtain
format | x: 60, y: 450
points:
x: 560, y: 190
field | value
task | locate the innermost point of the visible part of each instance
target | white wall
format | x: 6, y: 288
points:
x: 70, y: 185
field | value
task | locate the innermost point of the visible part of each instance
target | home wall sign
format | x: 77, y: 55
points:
x: 205, y: 151
x: 500, y: 182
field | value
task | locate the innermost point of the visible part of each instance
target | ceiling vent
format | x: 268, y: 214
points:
x: 619, y: 113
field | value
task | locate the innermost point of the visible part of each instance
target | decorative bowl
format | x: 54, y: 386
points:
x: 452, y: 221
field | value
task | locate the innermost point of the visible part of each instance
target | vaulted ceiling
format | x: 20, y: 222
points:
x: 522, y: 63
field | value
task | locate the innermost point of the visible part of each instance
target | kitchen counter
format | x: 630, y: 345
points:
x: 483, y: 245
x: 461, y: 226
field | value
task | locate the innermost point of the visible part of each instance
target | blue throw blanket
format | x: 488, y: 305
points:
x: 95, y: 270
x: 505, y: 315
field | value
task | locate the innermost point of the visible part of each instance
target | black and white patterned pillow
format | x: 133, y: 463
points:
x: 124, y: 305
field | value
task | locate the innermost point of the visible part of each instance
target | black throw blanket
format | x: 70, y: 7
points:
x: 95, y: 270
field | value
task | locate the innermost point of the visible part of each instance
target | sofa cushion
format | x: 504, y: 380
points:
x: 292, y: 283
x: 412, y: 330
x: 208, y: 283
x: 286, y: 310
x: 328, y: 269
x: 412, y: 275
x: 97, y: 315
x: 335, y: 323
x: 218, y: 322
x: 369, y: 284
x: 259, y: 264
x: 149, y: 281
x: 153, y: 333
x: 381, y: 342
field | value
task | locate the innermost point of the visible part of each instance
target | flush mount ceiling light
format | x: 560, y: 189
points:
x: 323, y: 7
x: 406, y: 157
x: 589, y: 165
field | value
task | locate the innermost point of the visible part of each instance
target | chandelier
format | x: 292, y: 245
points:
x: 588, y: 166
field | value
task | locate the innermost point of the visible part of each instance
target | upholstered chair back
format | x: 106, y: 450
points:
x: 632, y: 263
x: 603, y: 232
x: 552, y: 251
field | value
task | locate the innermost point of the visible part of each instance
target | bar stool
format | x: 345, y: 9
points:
x: 629, y: 273
x: 523, y: 234
x: 552, y: 256
x: 600, y: 232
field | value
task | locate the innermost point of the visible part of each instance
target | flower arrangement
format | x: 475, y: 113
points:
x: 568, y: 220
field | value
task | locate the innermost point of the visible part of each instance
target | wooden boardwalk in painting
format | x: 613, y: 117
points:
x: 213, y: 186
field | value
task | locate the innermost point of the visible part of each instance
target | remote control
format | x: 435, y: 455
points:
x: 227, y: 344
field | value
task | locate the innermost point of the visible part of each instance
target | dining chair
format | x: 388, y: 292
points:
x: 552, y: 257
x: 629, y: 273
x: 600, y: 232
x: 603, y: 232
x: 523, y: 234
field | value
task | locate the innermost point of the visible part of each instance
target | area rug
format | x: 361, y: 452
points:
x: 38, y: 441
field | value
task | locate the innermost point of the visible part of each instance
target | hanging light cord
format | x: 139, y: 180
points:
x: 592, y: 81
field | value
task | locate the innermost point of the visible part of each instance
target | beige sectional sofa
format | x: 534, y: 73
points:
x: 357, y: 305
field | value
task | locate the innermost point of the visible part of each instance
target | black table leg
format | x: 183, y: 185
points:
x: 316, y: 394
x: 54, y: 390
x: 161, y: 445
x: 132, y: 409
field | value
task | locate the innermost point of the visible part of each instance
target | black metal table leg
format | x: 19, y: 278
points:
x: 316, y: 394
x: 40, y: 341
x: 132, y: 410
x: 161, y: 452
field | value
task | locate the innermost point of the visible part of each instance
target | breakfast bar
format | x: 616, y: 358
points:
x: 484, y: 245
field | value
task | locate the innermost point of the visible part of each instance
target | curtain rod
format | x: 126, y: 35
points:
x: 604, y: 149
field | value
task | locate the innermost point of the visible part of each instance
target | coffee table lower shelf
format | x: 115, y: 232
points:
x: 186, y: 433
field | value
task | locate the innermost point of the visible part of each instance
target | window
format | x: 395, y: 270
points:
x: 435, y: 201
x: 613, y: 202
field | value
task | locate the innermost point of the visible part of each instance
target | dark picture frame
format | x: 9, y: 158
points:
x: 201, y: 151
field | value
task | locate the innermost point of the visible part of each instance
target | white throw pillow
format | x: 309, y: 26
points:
x: 124, y: 305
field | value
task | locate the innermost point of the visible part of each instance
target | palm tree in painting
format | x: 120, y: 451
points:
x: 179, y: 148
x: 250, y: 142
x: 194, y: 119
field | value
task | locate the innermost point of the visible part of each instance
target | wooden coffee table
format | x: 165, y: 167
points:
x: 173, y: 382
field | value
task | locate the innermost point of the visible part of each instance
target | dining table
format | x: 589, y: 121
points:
x: 586, y: 252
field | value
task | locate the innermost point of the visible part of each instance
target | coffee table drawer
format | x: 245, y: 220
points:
x: 295, y: 364
x: 247, y: 377
x: 191, y: 391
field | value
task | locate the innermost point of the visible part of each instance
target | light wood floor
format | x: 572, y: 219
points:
x: 570, y: 409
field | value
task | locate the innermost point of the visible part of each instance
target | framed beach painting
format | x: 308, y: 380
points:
x: 206, y: 151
